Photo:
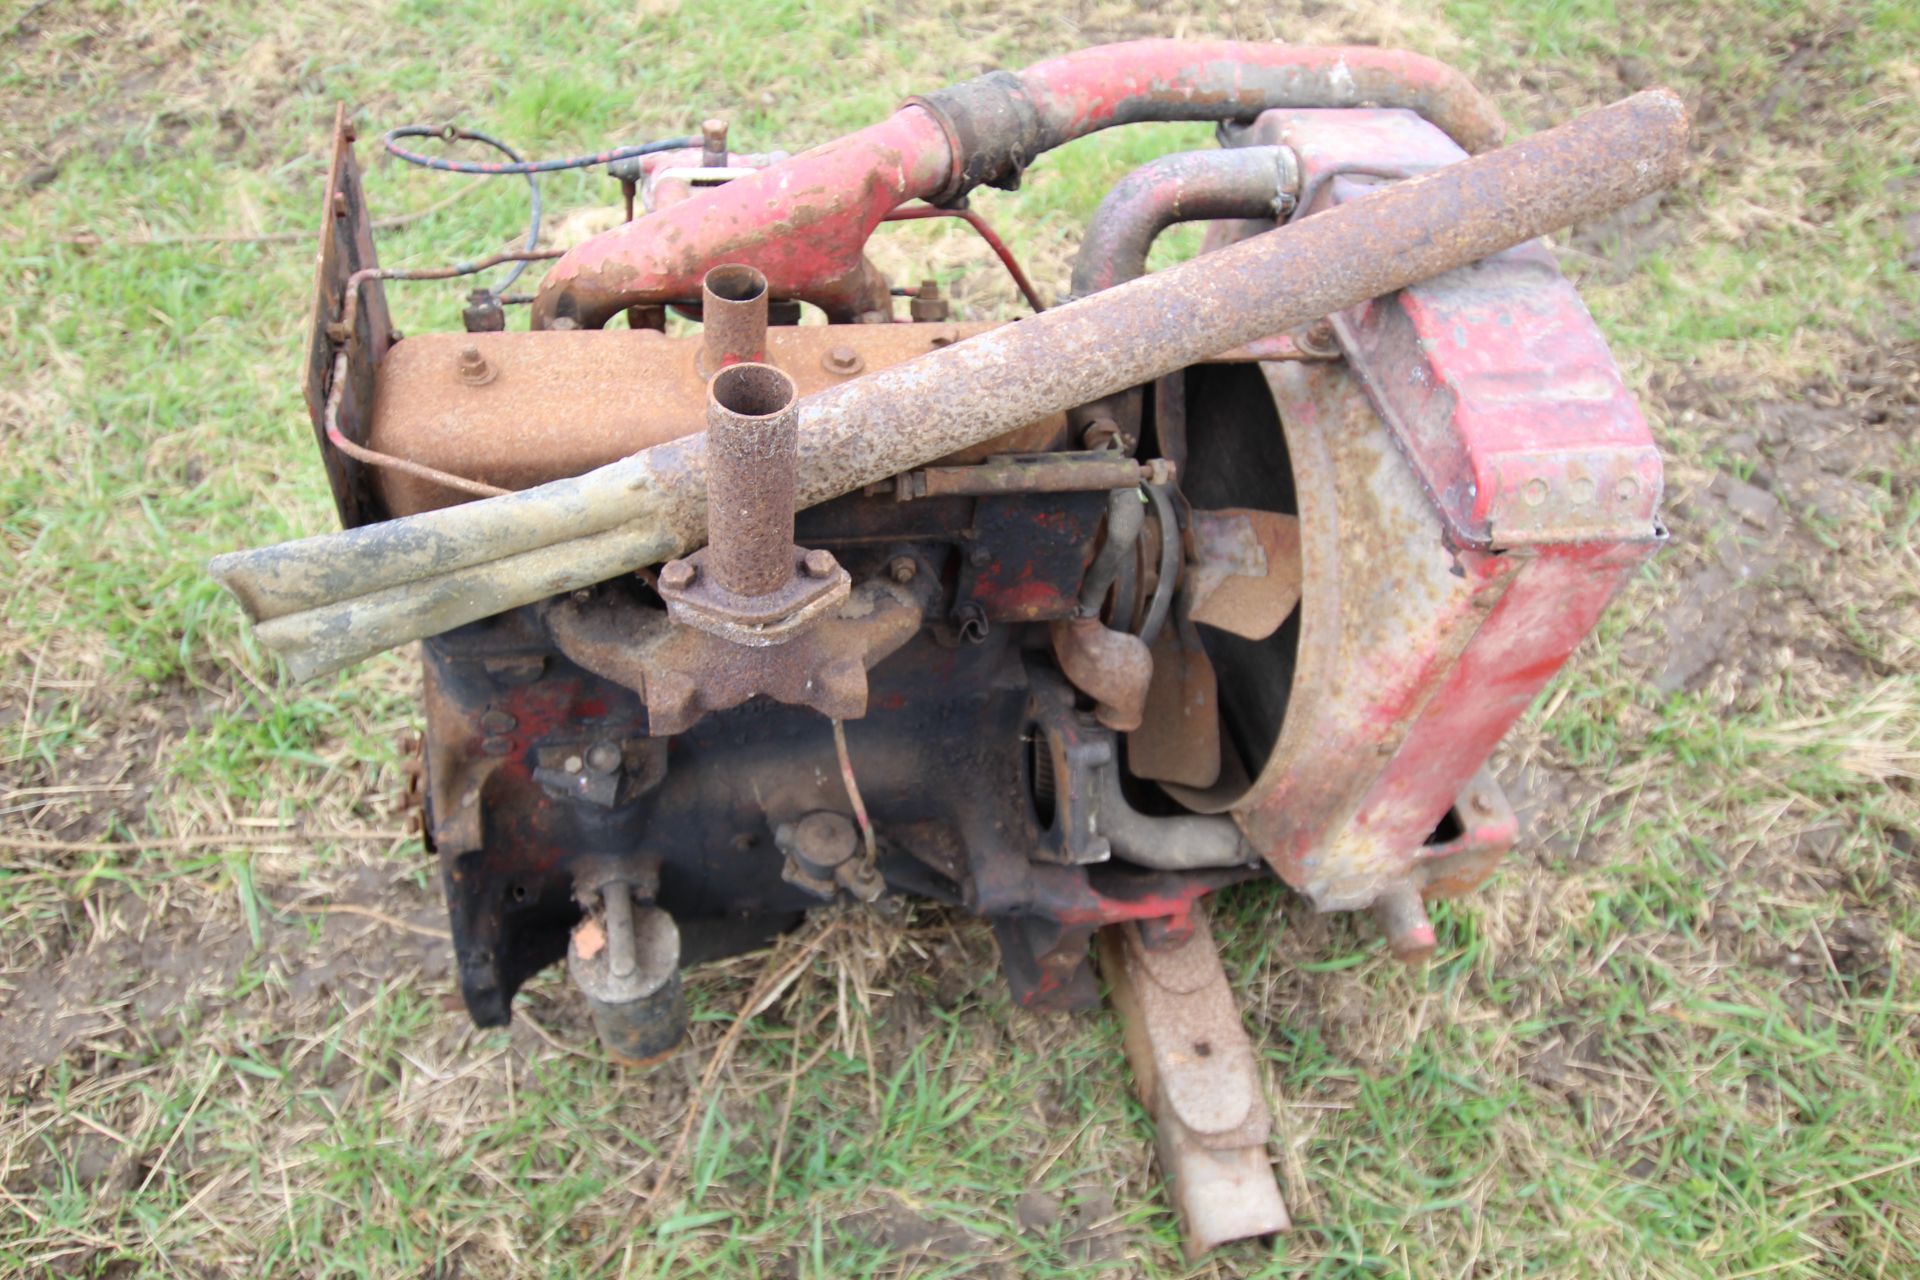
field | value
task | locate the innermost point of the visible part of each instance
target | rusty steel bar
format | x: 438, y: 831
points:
x: 750, y: 455
x: 1187, y: 186
x: 908, y: 415
x: 733, y: 316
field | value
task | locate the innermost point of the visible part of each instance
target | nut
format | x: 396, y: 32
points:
x: 819, y: 563
x: 676, y: 575
x: 474, y: 369
x: 902, y: 569
x: 842, y: 359
x: 927, y: 304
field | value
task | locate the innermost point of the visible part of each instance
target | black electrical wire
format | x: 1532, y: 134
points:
x: 515, y: 165
x: 1169, y: 564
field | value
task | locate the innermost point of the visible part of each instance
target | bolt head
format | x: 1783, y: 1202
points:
x: 603, y: 757
x: 842, y: 359
x: 902, y: 569
x: 474, y: 369
x: 979, y: 557
x: 572, y: 764
x: 676, y: 575
x: 820, y: 563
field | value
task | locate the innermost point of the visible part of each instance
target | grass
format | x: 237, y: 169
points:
x: 1675, y: 1037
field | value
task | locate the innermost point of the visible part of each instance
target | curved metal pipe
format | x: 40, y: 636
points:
x: 806, y: 220
x: 1125, y: 514
x: 1187, y: 186
x: 1181, y: 842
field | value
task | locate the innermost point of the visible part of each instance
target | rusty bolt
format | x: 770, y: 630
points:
x: 842, y: 359
x: 1319, y: 340
x: 474, y: 369
x: 498, y: 721
x: 1482, y: 803
x: 1157, y: 471
x: 603, y: 757
x: 927, y: 304
x: 902, y: 568
x: 713, y: 143
x: 819, y: 563
x: 676, y: 575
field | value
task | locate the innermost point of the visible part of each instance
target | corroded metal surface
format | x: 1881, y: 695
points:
x: 895, y: 419
x: 1111, y: 667
x: 684, y: 673
x: 733, y: 317
x: 1195, y: 1071
x: 750, y: 450
x: 1386, y: 609
x: 624, y: 390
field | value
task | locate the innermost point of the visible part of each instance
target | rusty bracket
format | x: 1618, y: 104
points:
x: 683, y: 673
x: 1195, y: 1071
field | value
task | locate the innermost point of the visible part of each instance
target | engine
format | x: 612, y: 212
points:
x: 1235, y: 570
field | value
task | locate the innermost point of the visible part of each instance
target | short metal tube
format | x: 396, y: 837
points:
x: 751, y: 449
x: 733, y: 316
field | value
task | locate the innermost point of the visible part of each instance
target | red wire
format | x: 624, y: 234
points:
x: 914, y: 213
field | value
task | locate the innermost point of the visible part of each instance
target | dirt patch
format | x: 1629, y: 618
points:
x: 159, y: 973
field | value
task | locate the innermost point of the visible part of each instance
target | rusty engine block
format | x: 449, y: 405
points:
x: 1235, y: 570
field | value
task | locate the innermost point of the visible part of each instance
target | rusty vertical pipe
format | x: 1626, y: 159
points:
x: 733, y: 316
x: 752, y: 442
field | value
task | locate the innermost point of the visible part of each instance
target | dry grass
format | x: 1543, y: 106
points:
x: 1680, y: 1035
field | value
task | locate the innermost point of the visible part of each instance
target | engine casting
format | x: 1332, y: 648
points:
x: 1235, y: 570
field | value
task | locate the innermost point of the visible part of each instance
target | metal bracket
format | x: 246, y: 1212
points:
x: 1195, y: 1071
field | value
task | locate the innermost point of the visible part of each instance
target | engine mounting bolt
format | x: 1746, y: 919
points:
x: 572, y: 764
x: 842, y: 359
x: 713, y: 143
x: 902, y: 568
x: 603, y: 757
x: 927, y: 304
x: 676, y: 575
x: 819, y: 563
x: 474, y: 369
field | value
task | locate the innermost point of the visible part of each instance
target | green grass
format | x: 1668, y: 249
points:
x: 1676, y: 1037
